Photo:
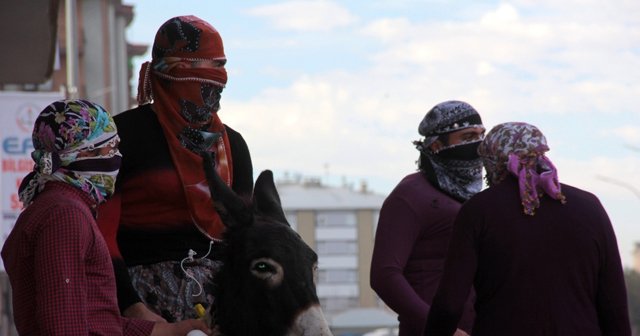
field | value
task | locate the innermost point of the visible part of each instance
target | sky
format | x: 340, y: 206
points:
x: 336, y: 89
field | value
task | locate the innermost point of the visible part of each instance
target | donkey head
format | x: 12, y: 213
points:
x: 266, y: 285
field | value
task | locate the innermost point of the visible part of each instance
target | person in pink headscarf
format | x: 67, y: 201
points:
x: 542, y: 256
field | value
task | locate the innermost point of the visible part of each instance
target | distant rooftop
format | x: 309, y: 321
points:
x: 311, y: 194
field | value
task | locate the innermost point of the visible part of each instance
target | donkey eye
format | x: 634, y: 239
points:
x: 267, y: 270
x: 263, y: 267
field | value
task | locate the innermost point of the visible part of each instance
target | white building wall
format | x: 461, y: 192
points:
x: 336, y: 240
x: 332, y: 220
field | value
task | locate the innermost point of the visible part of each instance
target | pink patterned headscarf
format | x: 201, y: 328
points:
x: 518, y: 148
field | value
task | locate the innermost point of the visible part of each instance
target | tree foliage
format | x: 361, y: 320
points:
x: 632, y: 279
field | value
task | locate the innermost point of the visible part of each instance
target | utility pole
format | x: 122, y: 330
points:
x: 71, y: 48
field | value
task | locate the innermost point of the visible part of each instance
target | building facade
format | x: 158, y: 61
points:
x: 339, y: 224
x: 101, y: 55
x: 103, y: 61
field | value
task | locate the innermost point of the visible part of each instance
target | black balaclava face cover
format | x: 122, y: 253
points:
x: 455, y: 169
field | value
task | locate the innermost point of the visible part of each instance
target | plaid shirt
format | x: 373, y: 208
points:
x: 60, y: 270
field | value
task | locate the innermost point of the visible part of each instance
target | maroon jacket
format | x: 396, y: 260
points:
x: 60, y: 269
x: 555, y: 273
x: 411, y: 243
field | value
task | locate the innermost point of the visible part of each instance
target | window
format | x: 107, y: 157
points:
x: 332, y: 305
x: 337, y: 276
x: 337, y: 247
x: 336, y: 233
x: 338, y: 290
x: 338, y: 261
x: 336, y: 218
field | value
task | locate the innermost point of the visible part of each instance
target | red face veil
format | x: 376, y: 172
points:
x: 184, y: 81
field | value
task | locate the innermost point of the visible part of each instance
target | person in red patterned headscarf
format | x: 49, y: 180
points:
x: 161, y: 226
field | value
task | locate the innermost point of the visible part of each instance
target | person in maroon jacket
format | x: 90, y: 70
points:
x: 58, y: 263
x: 416, y: 218
x: 541, y: 255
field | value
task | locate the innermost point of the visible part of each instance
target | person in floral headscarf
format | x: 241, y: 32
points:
x: 57, y: 261
x: 162, y: 228
x: 542, y: 256
x: 416, y: 218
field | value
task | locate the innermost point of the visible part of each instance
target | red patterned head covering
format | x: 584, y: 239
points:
x: 185, y: 80
x: 518, y: 148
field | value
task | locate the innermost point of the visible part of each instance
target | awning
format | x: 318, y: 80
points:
x: 28, y: 39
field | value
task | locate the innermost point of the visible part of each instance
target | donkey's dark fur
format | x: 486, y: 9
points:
x: 268, y: 274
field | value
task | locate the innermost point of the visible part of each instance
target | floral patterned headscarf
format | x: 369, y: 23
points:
x: 75, y: 141
x: 184, y: 82
x: 518, y: 148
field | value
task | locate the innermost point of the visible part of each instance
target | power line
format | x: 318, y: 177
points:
x: 619, y: 183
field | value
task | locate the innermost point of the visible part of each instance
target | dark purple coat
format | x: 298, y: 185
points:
x: 555, y: 273
x: 411, y: 242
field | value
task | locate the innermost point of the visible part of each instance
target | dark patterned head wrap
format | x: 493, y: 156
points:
x: 75, y: 141
x: 447, y: 117
x: 455, y: 169
x: 184, y: 80
x: 518, y: 148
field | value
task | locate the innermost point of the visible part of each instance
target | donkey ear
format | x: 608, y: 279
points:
x: 231, y: 208
x: 266, y: 198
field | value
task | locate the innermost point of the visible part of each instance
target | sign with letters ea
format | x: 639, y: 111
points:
x: 18, y: 111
